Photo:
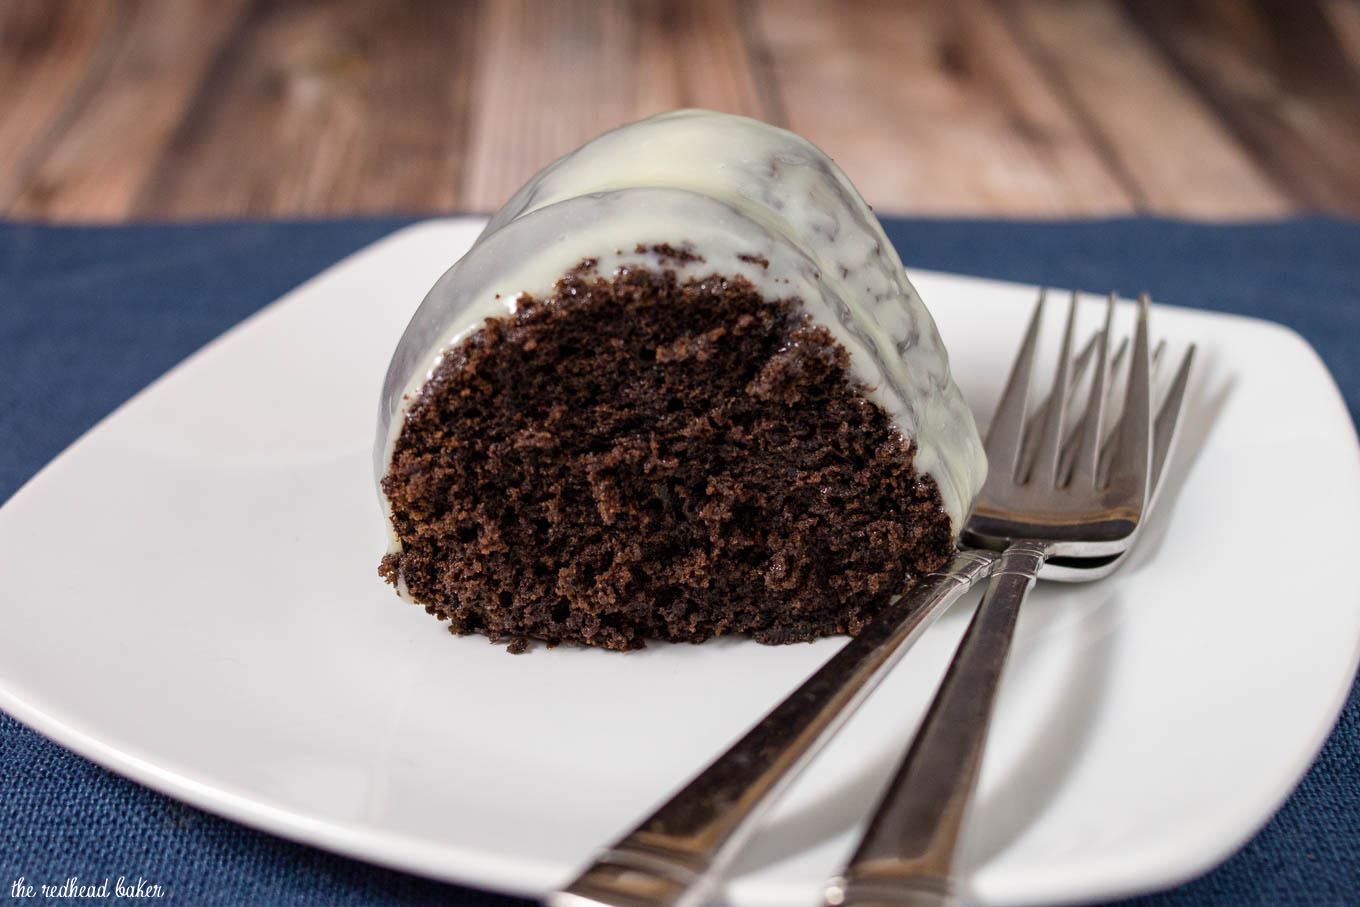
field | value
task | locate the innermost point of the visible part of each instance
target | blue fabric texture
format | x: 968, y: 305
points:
x: 109, y: 309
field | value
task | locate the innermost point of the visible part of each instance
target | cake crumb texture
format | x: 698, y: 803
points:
x: 641, y: 458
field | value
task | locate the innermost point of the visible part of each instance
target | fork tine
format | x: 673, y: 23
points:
x: 1087, y: 456
x: 1113, y: 378
x: 1107, y: 444
x: 1071, y: 445
x: 1035, y: 423
x: 1080, y: 363
x: 1117, y: 361
x: 1005, y: 438
x: 1050, y: 444
x: 1169, y: 414
x: 1122, y: 352
x: 1131, y: 461
x: 1083, y: 359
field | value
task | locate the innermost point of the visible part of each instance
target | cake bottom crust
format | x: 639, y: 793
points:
x: 641, y: 458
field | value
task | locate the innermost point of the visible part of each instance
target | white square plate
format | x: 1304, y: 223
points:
x: 190, y: 598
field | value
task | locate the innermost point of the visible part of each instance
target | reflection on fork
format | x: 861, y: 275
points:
x: 1052, y: 491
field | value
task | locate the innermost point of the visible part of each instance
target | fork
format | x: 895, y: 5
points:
x: 1043, y: 498
x: 676, y: 856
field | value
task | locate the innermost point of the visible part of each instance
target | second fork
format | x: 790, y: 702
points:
x: 1037, y: 503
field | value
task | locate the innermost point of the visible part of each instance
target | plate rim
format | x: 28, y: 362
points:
x: 457, y: 864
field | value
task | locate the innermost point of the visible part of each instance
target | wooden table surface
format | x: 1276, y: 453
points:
x: 123, y: 109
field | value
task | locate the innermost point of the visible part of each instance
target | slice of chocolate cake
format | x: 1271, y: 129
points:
x: 679, y: 388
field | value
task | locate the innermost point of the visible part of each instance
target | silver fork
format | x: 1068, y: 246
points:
x: 1043, y: 499
x: 677, y: 856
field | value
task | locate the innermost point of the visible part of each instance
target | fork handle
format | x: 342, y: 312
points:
x: 906, y: 856
x: 676, y: 857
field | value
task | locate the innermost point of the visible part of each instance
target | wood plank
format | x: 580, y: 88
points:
x: 100, y: 160
x: 1173, y: 148
x: 933, y: 108
x: 551, y: 76
x: 695, y: 54
x: 1277, y: 76
x: 547, y: 77
x: 325, y: 108
x: 1344, y: 18
x: 113, y: 108
x: 48, y: 53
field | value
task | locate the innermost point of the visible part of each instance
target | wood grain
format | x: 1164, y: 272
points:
x: 551, y: 76
x: 1166, y: 141
x: 119, y: 109
x: 1344, y: 18
x: 49, y: 54
x: 101, y: 161
x: 1280, y: 80
x: 936, y: 109
x: 319, y: 108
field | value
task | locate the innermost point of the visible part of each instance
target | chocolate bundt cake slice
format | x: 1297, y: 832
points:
x: 679, y: 388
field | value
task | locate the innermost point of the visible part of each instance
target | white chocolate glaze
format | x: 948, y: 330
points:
x: 737, y: 193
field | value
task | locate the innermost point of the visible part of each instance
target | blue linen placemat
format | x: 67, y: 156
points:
x: 89, y: 315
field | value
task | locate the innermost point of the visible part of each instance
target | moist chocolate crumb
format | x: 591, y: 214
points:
x: 760, y: 260
x: 668, y: 252
x: 638, y: 458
